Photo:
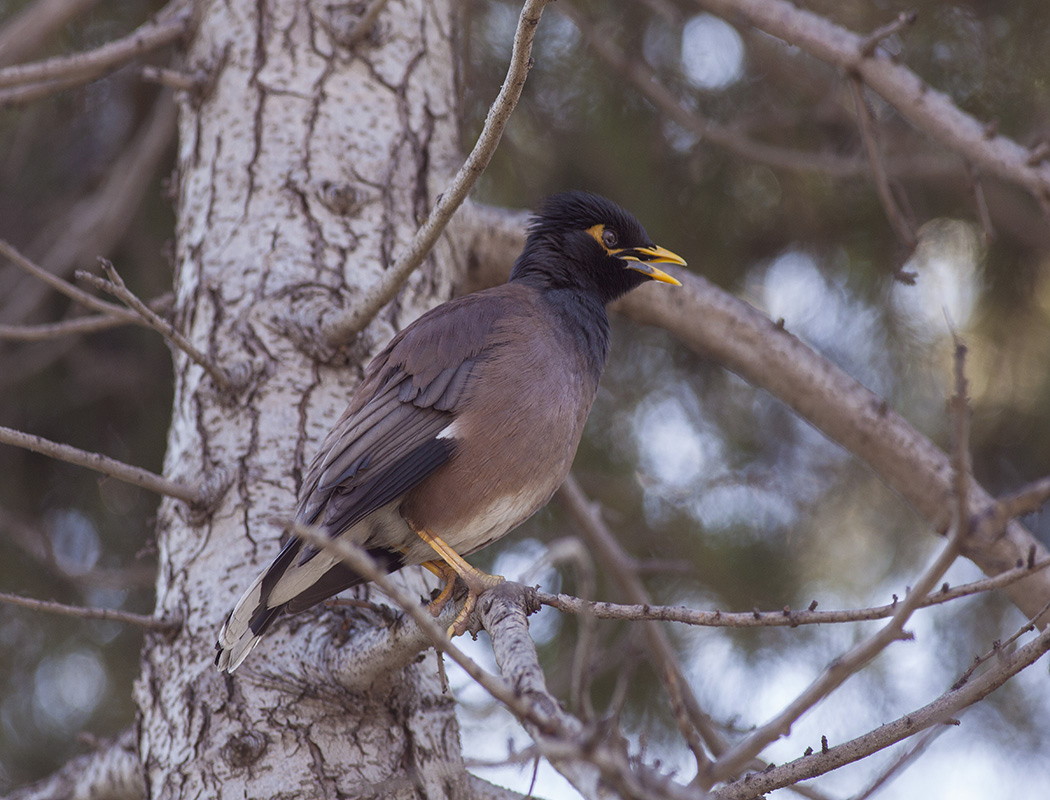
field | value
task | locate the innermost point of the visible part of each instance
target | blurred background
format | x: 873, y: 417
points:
x: 730, y: 500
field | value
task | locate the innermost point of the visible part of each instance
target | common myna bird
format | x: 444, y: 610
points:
x: 466, y: 423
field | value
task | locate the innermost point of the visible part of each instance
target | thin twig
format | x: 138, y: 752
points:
x: 115, y: 286
x: 904, y: 759
x: 730, y: 137
x: 113, y: 615
x: 1024, y: 501
x: 869, y: 134
x: 169, y: 26
x: 69, y: 290
x: 104, y: 464
x: 937, y: 712
x: 787, y: 617
x: 347, y: 326
x: 172, y: 78
x: 875, y: 38
x: 841, y: 669
x: 688, y: 714
x: 57, y: 330
x: 998, y: 647
x: 983, y: 214
x: 30, y: 93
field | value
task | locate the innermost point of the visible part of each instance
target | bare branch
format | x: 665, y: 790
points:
x: 937, y: 712
x: 56, y: 330
x: 113, y: 772
x: 869, y: 134
x: 691, y: 719
x: 733, y: 140
x: 347, y: 326
x: 104, y: 464
x: 998, y: 647
x: 172, y: 78
x: 113, y: 615
x: 557, y: 734
x: 931, y: 111
x: 1024, y: 501
x: 904, y: 20
x: 69, y: 290
x: 842, y: 668
x: 169, y: 26
x: 775, y: 619
x: 116, y: 287
x: 22, y: 95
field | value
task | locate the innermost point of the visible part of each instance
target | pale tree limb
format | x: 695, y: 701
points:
x: 115, y: 286
x: 557, y: 734
x: 347, y: 326
x: 789, y: 618
x: 107, y: 466
x: 80, y: 612
x: 847, y: 665
x: 601, y: 769
x: 938, y: 712
x: 929, y: 110
x: 113, y: 772
x: 28, y: 30
x: 170, y: 25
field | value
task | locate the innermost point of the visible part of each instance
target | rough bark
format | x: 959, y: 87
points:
x: 301, y: 171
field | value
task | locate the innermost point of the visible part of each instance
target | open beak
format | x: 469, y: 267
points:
x: 641, y: 259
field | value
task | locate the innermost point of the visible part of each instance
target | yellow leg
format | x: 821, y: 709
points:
x: 476, y: 580
x: 448, y: 575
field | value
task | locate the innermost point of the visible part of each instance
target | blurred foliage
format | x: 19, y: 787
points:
x: 749, y: 505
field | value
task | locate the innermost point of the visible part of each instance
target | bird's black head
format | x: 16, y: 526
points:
x: 583, y: 241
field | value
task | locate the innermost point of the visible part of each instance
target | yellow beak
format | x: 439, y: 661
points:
x: 642, y: 259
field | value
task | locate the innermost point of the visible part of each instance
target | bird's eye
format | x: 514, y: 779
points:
x: 609, y: 238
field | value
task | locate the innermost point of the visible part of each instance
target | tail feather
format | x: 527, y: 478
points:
x: 288, y: 584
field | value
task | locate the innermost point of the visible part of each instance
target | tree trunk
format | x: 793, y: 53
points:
x: 302, y: 171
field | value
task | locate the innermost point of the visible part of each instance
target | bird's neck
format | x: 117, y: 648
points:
x: 583, y: 318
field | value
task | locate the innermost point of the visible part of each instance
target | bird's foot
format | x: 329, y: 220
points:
x: 448, y: 575
x: 478, y: 583
x: 451, y: 565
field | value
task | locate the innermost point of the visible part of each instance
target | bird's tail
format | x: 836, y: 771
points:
x: 297, y: 579
x: 300, y: 577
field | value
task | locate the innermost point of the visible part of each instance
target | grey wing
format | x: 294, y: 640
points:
x: 379, y: 451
